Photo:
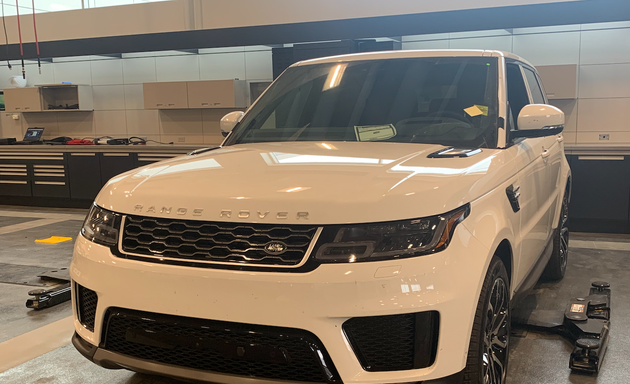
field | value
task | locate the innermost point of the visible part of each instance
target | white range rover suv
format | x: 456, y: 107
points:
x: 372, y: 218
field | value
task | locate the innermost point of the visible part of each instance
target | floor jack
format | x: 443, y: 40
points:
x: 44, y: 298
x: 586, y: 324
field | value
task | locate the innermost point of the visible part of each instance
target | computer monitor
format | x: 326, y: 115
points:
x: 33, y: 134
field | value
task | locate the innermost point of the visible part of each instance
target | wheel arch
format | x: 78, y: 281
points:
x: 505, y: 254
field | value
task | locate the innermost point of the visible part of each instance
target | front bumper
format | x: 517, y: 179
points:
x: 319, y: 301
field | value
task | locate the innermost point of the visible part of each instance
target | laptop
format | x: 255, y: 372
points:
x: 32, y: 136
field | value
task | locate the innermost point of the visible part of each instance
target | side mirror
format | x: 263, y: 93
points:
x: 229, y: 121
x: 538, y: 120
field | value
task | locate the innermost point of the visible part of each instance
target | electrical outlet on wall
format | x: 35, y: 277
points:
x: 604, y: 136
x: 181, y: 139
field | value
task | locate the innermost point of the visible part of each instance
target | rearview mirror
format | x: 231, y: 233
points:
x: 538, y: 120
x: 229, y: 121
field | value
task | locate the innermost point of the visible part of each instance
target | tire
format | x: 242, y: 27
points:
x: 557, y: 264
x: 490, y: 339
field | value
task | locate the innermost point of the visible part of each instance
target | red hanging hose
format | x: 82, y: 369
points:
x: 17, y: 9
x: 39, y: 65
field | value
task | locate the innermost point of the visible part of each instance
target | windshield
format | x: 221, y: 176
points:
x: 436, y: 100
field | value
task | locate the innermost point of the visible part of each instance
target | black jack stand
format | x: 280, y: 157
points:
x: 586, y: 324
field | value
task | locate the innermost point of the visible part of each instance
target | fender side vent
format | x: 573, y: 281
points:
x: 454, y: 152
x: 513, y: 194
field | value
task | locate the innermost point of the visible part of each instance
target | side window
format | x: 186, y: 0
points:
x: 517, y: 92
x: 534, y: 86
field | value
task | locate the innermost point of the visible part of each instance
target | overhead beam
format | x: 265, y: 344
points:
x: 523, y: 16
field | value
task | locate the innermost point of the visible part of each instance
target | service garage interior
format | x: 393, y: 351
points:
x: 92, y: 89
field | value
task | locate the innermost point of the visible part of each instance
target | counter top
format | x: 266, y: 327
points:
x: 570, y: 149
x: 103, y: 148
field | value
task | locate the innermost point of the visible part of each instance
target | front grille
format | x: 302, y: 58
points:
x: 86, y: 306
x: 216, y: 242
x: 223, y: 347
x: 394, y: 342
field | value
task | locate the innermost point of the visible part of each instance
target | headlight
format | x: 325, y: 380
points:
x: 390, y: 240
x: 101, y: 226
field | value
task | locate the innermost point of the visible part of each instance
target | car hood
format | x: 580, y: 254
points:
x: 305, y: 182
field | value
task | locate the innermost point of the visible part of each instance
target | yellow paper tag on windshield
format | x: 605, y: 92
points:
x: 473, y: 111
x: 483, y: 109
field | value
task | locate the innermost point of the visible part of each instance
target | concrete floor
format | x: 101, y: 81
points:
x: 534, y: 359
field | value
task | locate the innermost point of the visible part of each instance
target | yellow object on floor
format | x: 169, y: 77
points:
x: 53, y: 240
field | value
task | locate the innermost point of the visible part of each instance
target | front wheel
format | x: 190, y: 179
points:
x: 489, y: 342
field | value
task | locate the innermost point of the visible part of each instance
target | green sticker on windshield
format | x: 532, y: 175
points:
x: 374, y: 132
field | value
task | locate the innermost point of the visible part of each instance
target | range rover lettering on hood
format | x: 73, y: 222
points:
x: 224, y: 213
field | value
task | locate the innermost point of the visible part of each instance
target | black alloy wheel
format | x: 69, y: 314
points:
x: 496, y: 334
x: 488, y: 351
x: 557, y: 265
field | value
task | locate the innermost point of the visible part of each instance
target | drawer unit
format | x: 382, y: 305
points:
x: 50, y: 178
x: 14, y: 180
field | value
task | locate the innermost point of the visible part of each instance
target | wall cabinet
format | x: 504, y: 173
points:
x: 171, y: 95
x: 559, y: 81
x: 196, y: 94
x: 22, y: 99
x: 66, y: 97
x: 217, y: 94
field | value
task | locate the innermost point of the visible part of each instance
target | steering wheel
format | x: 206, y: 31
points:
x: 450, y: 114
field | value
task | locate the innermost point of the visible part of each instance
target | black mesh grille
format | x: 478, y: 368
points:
x: 224, y: 347
x: 200, y: 241
x: 86, y: 306
x: 395, y: 342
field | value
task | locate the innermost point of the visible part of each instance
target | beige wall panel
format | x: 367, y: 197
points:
x: 604, y: 81
x: 137, y: 71
x: 75, y: 124
x: 177, y: 68
x: 108, y: 97
x: 428, y: 44
x: 79, y: 72
x: 594, y: 49
x: 258, y: 65
x: 182, y: 139
x: 569, y: 137
x: 604, y: 115
x: 570, y: 109
x: 143, y: 122
x: 181, y: 122
x: 107, y: 72
x: 44, y: 120
x: 548, y: 48
x: 222, y: 66
x: 10, y: 127
x: 133, y: 96
x: 110, y: 123
x: 501, y: 43
x: 32, y: 74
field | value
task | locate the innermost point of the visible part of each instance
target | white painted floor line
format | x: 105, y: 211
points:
x: 28, y: 225
x: 30, y: 345
x: 44, y: 215
x: 601, y: 245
